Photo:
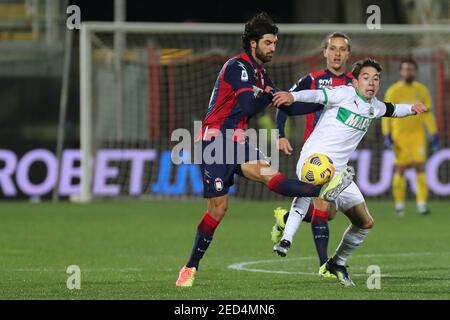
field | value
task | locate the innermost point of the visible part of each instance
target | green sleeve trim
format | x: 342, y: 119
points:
x: 326, y: 96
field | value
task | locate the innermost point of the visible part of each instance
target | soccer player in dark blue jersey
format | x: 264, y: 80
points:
x: 242, y: 89
x: 336, y: 50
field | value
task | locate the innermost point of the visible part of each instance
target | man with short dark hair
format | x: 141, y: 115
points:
x: 242, y: 89
x: 348, y: 113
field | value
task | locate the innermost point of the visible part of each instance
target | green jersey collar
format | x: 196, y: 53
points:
x: 361, y: 96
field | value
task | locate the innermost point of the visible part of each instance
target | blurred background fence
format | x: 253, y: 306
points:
x: 145, y: 80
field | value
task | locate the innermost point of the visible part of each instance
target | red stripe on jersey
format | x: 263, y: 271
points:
x: 242, y: 90
x: 309, y: 125
x: 339, y: 81
x: 225, y: 101
x: 317, y: 74
x: 224, y: 104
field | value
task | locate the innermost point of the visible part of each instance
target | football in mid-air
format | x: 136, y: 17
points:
x: 317, y: 169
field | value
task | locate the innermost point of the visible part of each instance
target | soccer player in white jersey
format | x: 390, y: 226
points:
x: 347, y: 115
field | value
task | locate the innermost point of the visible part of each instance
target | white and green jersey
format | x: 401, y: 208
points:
x: 346, y: 117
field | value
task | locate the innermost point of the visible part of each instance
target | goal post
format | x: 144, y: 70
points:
x: 169, y: 71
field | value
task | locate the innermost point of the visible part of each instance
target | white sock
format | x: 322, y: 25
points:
x: 351, y: 239
x: 298, y: 211
x: 421, y: 205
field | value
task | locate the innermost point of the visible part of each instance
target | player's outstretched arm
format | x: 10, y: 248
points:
x: 288, y: 98
x: 251, y: 105
x: 299, y: 103
x: 403, y: 110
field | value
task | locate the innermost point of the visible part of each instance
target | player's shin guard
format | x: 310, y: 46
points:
x: 399, y: 189
x: 296, y: 214
x: 320, y: 231
x: 292, y: 187
x: 203, y: 238
x: 351, y: 239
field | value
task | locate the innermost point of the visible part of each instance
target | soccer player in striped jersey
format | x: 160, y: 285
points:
x: 336, y: 51
x: 242, y: 89
x: 347, y: 115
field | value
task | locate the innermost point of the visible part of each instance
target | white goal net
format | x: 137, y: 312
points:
x: 139, y: 82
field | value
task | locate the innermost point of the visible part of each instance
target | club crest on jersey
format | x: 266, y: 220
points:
x: 218, y: 184
x: 244, y: 76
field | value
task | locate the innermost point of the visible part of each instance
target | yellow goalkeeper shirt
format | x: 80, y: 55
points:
x: 400, y: 92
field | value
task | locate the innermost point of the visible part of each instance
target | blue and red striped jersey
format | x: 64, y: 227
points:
x: 239, y: 74
x: 317, y: 80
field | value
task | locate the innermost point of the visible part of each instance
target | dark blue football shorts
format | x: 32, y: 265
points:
x: 221, y: 160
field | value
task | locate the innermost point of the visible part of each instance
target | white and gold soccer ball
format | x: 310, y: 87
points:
x: 317, y: 169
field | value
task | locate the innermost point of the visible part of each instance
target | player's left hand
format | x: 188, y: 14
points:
x: 281, y: 98
x: 418, y: 108
x: 434, y: 143
x: 269, y: 89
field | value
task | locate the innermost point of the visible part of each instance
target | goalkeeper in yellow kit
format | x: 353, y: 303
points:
x: 408, y: 136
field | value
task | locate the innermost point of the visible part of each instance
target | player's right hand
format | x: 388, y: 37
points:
x: 388, y: 141
x: 285, y: 146
x: 281, y: 98
x: 418, y: 108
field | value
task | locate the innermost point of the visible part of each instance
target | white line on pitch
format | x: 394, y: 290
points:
x: 242, y: 266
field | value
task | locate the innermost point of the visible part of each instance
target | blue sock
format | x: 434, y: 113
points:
x: 203, y: 238
x: 320, y: 231
x: 292, y: 187
x: 201, y: 244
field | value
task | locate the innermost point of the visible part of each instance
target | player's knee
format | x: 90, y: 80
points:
x: 332, y: 211
x: 217, y: 213
x: 218, y: 210
x: 331, y: 215
x: 217, y: 207
x: 400, y: 170
x: 368, y: 224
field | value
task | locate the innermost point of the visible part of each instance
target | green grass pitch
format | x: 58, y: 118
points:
x: 134, y: 249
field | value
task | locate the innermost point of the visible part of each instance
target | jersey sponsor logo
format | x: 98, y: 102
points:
x: 323, y: 83
x: 353, y: 120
